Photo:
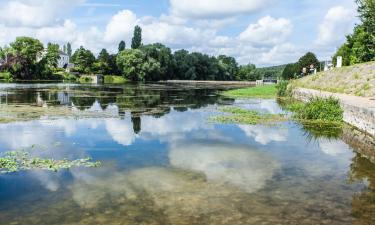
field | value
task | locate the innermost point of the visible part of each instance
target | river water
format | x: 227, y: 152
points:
x: 164, y: 162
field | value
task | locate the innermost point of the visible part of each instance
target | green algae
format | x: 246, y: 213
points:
x: 235, y: 115
x: 15, y: 161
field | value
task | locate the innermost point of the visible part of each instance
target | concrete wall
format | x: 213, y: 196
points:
x: 358, y: 112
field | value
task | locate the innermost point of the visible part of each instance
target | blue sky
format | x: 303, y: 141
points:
x: 263, y: 32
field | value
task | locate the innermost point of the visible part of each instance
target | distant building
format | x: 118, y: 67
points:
x: 63, y: 62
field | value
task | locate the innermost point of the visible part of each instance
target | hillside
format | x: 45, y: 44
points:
x: 358, y: 80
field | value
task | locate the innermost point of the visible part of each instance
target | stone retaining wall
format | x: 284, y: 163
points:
x: 358, y: 112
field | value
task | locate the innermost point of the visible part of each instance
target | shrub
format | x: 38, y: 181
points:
x: 325, y: 109
x: 282, y: 88
x: 6, y: 76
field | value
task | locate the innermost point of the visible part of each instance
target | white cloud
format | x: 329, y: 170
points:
x: 337, y: 22
x: 265, y: 135
x: 36, y: 13
x: 267, y: 31
x: 120, y: 27
x: 214, y: 8
x: 333, y: 148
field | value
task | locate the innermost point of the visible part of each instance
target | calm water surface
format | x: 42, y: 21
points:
x: 164, y: 163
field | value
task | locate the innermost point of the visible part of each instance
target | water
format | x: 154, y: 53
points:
x: 164, y: 163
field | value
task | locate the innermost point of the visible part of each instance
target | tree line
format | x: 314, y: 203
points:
x: 27, y: 59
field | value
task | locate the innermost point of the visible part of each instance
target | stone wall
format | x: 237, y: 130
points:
x: 358, y: 112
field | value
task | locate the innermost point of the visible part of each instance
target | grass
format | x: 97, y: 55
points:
x: 6, y: 76
x: 109, y: 79
x: 322, y: 109
x: 348, y: 80
x: 19, y: 160
x: 266, y: 91
x: 235, y: 115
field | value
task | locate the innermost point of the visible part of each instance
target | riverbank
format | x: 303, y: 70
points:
x: 240, y: 83
x: 358, y: 111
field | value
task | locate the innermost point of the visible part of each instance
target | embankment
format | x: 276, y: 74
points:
x: 358, y: 111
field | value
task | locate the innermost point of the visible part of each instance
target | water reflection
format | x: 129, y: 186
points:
x: 164, y: 164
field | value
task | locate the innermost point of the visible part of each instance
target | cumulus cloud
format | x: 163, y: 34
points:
x: 36, y: 13
x: 337, y: 22
x: 213, y: 8
x: 267, y: 31
x: 263, y: 134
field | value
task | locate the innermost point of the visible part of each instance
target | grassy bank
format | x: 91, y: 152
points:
x: 114, y: 79
x: 266, y: 91
x: 358, y: 80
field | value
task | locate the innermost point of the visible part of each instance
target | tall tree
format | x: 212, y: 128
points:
x: 83, y: 60
x: 52, y: 56
x: 64, y: 48
x: 69, y: 49
x: 137, y: 37
x: 121, y: 46
x: 307, y: 60
x: 26, y: 52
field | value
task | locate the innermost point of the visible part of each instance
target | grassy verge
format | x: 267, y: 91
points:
x: 114, y: 79
x: 234, y: 115
x: 266, y: 91
x: 18, y: 160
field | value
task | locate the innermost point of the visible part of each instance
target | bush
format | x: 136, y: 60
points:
x: 6, y: 76
x: 114, y: 79
x: 85, y: 80
x: 282, y: 88
x: 325, y: 109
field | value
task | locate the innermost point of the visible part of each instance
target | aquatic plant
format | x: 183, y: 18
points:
x: 266, y: 91
x: 324, y: 109
x: 235, y: 115
x: 282, y: 89
x: 14, y: 161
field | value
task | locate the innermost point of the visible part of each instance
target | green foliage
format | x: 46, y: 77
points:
x: 134, y: 66
x: 323, y: 109
x: 282, y: 88
x: 114, y: 79
x: 290, y: 71
x: 69, y: 49
x: 158, y: 53
x: 121, y: 46
x: 52, y: 55
x: 249, y: 73
x: 307, y: 60
x: 6, y: 76
x: 360, y: 46
x: 266, y: 91
x: 18, y: 160
x: 272, y: 72
x: 85, y: 80
x: 25, y: 53
x: 137, y: 38
x: 236, y: 115
x: 83, y: 60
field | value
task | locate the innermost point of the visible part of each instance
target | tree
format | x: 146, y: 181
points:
x: 131, y: 62
x: 52, y: 56
x: 121, y: 46
x: 228, y: 66
x: 163, y: 56
x: 26, y: 52
x: 69, y: 49
x: 307, y: 60
x: 137, y: 37
x: 64, y: 48
x: 83, y: 60
x: 290, y: 71
x: 248, y: 72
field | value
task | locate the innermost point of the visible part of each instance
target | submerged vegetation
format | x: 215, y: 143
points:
x: 266, y: 91
x: 235, y: 115
x: 19, y: 160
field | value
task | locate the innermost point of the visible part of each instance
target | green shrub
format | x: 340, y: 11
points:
x: 114, y: 79
x: 324, y: 109
x: 6, y: 76
x: 85, y: 79
x: 282, y: 88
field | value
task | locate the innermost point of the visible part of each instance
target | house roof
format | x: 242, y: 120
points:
x: 62, y: 53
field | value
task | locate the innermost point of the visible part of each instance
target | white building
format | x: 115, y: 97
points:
x: 63, y: 62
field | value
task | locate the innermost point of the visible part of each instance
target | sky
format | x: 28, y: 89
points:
x: 262, y: 32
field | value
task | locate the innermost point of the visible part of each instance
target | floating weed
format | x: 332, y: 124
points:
x: 14, y: 161
x: 235, y: 115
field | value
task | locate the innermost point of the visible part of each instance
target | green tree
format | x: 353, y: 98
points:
x: 69, y: 49
x: 307, y: 60
x: 228, y: 66
x: 290, y: 71
x: 162, y: 55
x: 132, y: 64
x: 83, y: 60
x: 137, y: 37
x: 121, y: 46
x: 26, y: 52
x: 248, y: 72
x: 52, y: 56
